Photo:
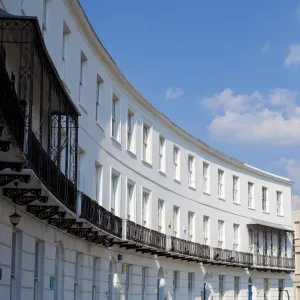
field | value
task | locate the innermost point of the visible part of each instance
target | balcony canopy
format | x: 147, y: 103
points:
x: 268, y: 225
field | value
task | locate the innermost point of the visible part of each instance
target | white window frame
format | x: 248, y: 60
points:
x: 191, y: 171
x: 175, y: 281
x: 206, y: 230
x: 45, y: 17
x: 98, y: 182
x: 206, y: 181
x: 131, y: 200
x: 221, y: 231
x: 265, y: 206
x: 146, y: 143
x: 266, y: 289
x: 251, y: 239
x: 162, y: 154
x: 221, y: 188
x: 176, y: 163
x: 82, y: 75
x: 144, y: 276
x: 191, y: 277
x: 115, y: 191
x: 235, y: 189
x: 176, y: 225
x: 64, y: 55
x: 236, y: 237
x: 250, y: 195
x: 279, y: 203
x: 191, y: 220
x: 236, y: 287
x: 160, y: 215
x: 130, y: 124
x: 115, y: 117
x: 145, y: 205
x: 99, y: 95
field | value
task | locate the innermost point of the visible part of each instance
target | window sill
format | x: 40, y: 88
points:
x: 115, y: 141
x: 280, y: 216
x: 177, y: 180
x: 83, y: 108
x: 206, y: 193
x: 98, y: 124
x: 266, y: 212
x: 147, y: 164
x: 192, y: 188
x: 221, y: 198
x: 131, y: 153
x: 251, y: 208
x: 162, y: 173
x: 237, y: 203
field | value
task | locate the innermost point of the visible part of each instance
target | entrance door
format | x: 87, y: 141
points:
x: 249, y: 291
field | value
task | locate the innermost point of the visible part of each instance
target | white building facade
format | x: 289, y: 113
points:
x: 116, y: 201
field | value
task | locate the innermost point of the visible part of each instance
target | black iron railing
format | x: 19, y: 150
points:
x: 188, y: 248
x: 10, y: 108
x: 50, y: 175
x: 99, y: 216
x: 145, y: 236
x: 274, y: 261
x: 231, y: 256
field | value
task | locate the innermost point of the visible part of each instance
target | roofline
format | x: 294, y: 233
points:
x: 89, y: 33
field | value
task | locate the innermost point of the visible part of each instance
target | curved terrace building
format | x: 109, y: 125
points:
x: 114, y: 200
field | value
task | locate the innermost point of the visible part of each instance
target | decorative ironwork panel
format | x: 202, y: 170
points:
x: 7, y: 178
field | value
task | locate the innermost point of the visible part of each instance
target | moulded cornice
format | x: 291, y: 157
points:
x: 92, y: 39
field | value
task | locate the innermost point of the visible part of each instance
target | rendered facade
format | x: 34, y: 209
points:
x: 116, y: 201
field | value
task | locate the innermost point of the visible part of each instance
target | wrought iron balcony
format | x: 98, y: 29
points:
x: 100, y: 217
x: 145, y: 236
x: 261, y: 260
x: 188, y: 248
x: 232, y: 257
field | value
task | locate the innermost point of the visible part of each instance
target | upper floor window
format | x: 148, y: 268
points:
x: 206, y: 178
x: 220, y: 233
x: 130, y: 200
x: 264, y: 199
x: 81, y: 175
x: 83, y: 64
x: 176, y: 163
x: 250, y: 233
x: 115, y: 176
x: 191, y: 170
x: 206, y: 230
x: 191, y: 225
x: 236, y: 236
x: 175, y: 220
x: 66, y: 35
x: 146, y: 143
x: 99, y: 91
x: 250, y: 195
x: 160, y: 215
x: 115, y: 120
x: 130, y: 131
x: 279, y: 203
x: 221, y: 287
x: 235, y: 189
x: 162, y: 161
x: 98, y: 171
x: 221, y: 184
x: 145, y: 201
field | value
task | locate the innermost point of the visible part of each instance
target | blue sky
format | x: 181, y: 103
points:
x: 228, y: 72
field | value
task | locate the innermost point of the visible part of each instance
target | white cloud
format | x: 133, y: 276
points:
x: 292, y: 169
x: 266, y: 46
x: 173, y: 93
x: 255, y: 118
x: 293, y: 59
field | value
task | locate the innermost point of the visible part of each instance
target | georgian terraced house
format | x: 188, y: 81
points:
x: 109, y: 198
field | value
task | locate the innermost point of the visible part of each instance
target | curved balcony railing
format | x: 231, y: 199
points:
x: 273, y: 261
x: 188, y: 248
x: 99, y: 216
x: 231, y: 256
x: 146, y: 236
